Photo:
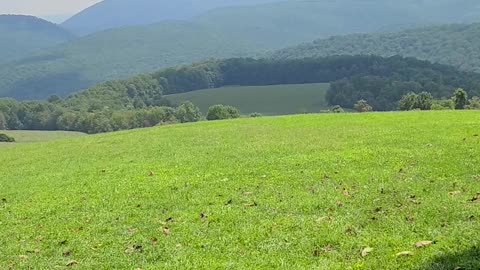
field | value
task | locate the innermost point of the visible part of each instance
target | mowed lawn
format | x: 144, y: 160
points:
x: 268, y: 100
x: 290, y: 192
x: 27, y: 136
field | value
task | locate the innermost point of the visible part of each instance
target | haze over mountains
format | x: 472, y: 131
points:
x: 255, y: 29
x: 117, y: 13
x: 21, y: 35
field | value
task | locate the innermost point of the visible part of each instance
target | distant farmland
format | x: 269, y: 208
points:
x: 268, y: 100
x: 24, y: 136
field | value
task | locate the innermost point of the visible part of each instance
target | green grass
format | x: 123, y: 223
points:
x: 268, y: 100
x: 290, y: 192
x: 26, y: 136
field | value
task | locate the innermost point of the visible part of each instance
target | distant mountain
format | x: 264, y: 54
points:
x: 457, y: 45
x: 117, y: 13
x: 220, y: 33
x: 21, y: 35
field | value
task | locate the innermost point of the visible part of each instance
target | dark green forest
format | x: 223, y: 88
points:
x: 457, y: 45
x: 139, y: 101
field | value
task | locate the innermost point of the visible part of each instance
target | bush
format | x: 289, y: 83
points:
x: 255, y: 114
x: 443, y: 104
x: 473, y: 104
x: 187, y: 112
x: 337, y: 109
x: 362, y: 106
x: 6, y: 138
x: 413, y: 101
x: 220, y: 112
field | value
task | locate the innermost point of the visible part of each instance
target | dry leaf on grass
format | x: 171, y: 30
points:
x: 404, y: 254
x: 166, y: 231
x: 71, y: 263
x: 366, y: 251
x: 421, y: 244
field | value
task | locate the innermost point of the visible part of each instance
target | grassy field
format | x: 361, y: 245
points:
x: 23, y: 136
x: 268, y: 100
x: 290, y: 192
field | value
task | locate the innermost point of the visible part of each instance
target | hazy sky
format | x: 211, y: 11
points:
x: 44, y: 7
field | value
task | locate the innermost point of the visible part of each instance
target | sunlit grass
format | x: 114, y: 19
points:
x: 293, y: 192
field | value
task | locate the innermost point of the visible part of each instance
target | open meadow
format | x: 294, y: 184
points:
x: 325, y: 191
x: 267, y: 100
x: 29, y: 136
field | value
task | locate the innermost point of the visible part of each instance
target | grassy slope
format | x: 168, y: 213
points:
x: 22, y: 136
x: 456, y: 45
x: 294, y: 192
x: 268, y: 100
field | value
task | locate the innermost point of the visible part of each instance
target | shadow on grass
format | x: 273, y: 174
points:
x: 466, y: 260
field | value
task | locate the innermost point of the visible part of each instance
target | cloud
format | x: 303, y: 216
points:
x: 44, y: 7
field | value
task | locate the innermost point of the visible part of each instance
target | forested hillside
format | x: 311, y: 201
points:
x: 457, y: 45
x: 20, y: 35
x: 140, y: 102
x: 117, y: 13
x: 220, y: 33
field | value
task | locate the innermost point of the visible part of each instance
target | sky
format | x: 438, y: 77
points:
x: 44, y: 8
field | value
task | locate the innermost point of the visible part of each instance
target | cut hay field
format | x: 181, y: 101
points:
x: 27, y: 136
x: 290, y: 192
x: 267, y: 100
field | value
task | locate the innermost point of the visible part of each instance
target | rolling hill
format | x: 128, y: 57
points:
x: 223, y: 32
x: 22, y: 35
x: 342, y: 191
x: 267, y: 100
x: 457, y: 45
x: 109, y: 14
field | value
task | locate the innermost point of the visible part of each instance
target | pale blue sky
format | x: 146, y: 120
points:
x: 44, y: 8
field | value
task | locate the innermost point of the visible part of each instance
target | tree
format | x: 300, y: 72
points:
x: 473, y: 104
x: 407, y: 103
x: 3, y: 121
x: 219, y: 112
x: 187, y: 112
x: 461, y: 98
x: 54, y: 99
x: 413, y: 101
x: 424, y: 101
x: 362, y: 106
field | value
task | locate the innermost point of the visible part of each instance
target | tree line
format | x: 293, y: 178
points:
x: 140, y: 101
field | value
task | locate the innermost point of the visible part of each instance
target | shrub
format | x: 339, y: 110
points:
x: 220, y: 112
x: 187, y: 112
x: 337, y: 109
x: 6, y: 138
x: 413, y: 101
x: 443, y: 104
x: 362, y: 106
x: 255, y: 114
x: 473, y: 104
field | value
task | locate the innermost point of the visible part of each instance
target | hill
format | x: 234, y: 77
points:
x: 297, y: 192
x: 456, y: 45
x: 22, y: 35
x: 220, y: 33
x: 109, y: 14
x: 267, y: 100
